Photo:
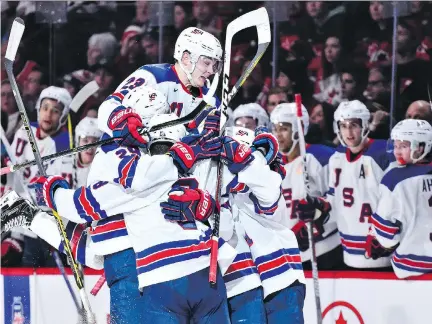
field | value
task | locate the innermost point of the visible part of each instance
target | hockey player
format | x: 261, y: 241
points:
x: 109, y: 235
x: 354, y: 177
x: 75, y: 168
x: 250, y: 116
x: 52, y: 108
x: 198, y: 56
x: 273, y: 247
x: 401, y: 225
x: 86, y: 204
x: 284, y: 123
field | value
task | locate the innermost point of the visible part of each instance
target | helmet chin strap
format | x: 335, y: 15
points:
x: 189, y: 73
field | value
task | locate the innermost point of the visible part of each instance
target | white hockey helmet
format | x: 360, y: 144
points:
x: 171, y: 134
x: 87, y: 127
x: 354, y: 109
x: 59, y: 94
x: 415, y: 131
x: 197, y: 42
x: 241, y: 134
x: 252, y: 110
x: 146, y: 101
x: 287, y: 113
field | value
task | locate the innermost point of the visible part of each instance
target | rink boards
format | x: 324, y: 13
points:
x: 346, y: 297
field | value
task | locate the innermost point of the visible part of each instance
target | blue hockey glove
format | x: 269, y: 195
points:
x: 187, y: 205
x: 211, y: 116
x: 235, y: 155
x: 265, y: 143
x: 45, y: 188
x: 125, y: 123
x: 193, y: 148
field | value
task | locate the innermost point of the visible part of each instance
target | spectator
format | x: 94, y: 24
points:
x: 101, y: 47
x: 33, y: 84
x: 142, y: 14
x: 206, y: 15
x: 150, y: 44
x: 328, y: 83
x: 374, y: 36
x: 183, y: 16
x: 276, y: 96
x: 9, y: 110
x: 73, y: 82
x: 132, y: 55
x: 105, y: 74
x: 321, y: 123
x: 321, y: 19
x: 419, y: 109
x: 378, y: 87
x: 251, y: 87
x: 353, y: 82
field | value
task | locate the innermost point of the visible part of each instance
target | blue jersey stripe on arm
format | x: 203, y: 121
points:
x: 377, y: 150
x: 321, y: 152
x: 399, y: 174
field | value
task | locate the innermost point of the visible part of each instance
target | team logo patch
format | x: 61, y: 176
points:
x: 197, y: 31
x: 241, y: 132
x: 152, y: 96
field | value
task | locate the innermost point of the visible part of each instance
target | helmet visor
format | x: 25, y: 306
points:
x: 206, y: 63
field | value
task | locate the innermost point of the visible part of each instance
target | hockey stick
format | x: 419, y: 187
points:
x: 78, y: 100
x: 260, y: 19
x: 14, y: 40
x: 59, y: 263
x: 182, y: 120
x: 314, y: 264
x: 86, y: 92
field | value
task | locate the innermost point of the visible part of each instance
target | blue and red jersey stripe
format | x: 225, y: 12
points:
x: 87, y: 206
x: 278, y: 262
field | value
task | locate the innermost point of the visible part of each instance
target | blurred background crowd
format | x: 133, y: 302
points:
x: 327, y: 51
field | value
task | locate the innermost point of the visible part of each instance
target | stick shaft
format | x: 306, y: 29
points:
x: 314, y: 264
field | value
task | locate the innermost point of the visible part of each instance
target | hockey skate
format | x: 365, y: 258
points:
x: 15, y: 212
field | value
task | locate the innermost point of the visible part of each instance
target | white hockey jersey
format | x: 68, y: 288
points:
x: 293, y: 190
x: 353, y: 195
x: 23, y: 153
x: 403, y: 217
x: 162, y: 77
x: 124, y: 181
x: 273, y: 247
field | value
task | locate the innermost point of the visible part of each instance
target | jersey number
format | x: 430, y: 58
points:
x: 348, y: 201
x: 132, y: 83
x: 121, y: 153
